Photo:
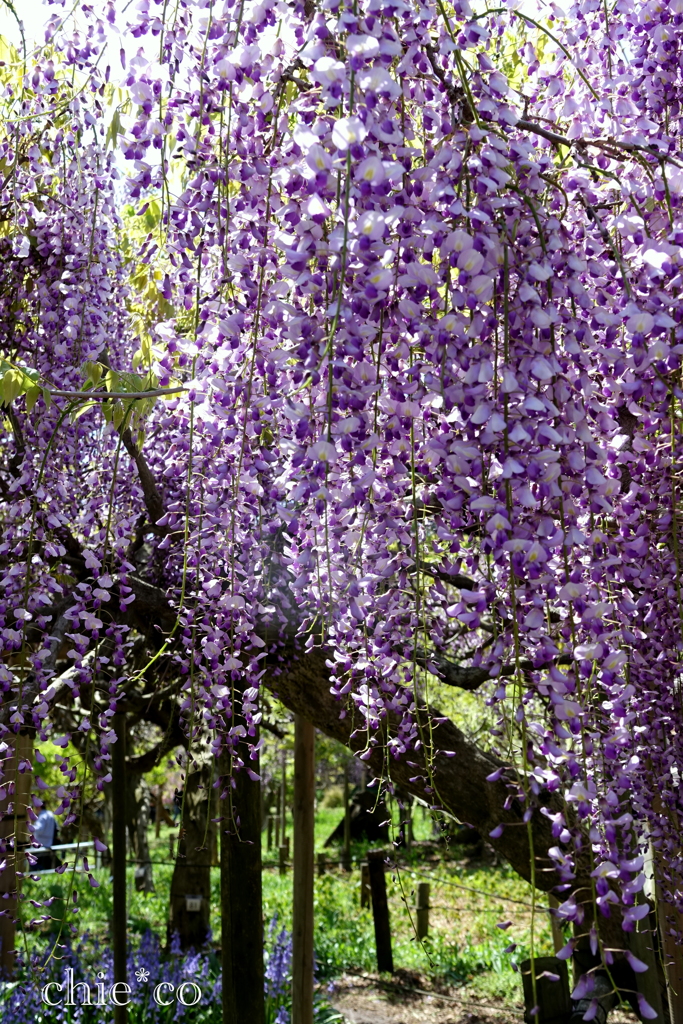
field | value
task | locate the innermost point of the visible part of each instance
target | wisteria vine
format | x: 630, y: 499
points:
x: 361, y: 325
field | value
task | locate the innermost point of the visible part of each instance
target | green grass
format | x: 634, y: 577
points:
x: 465, y: 946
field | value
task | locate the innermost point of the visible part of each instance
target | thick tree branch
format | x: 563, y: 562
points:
x: 457, y: 780
x: 153, y: 500
x: 471, y: 677
x: 30, y: 691
x: 150, y: 759
x: 456, y: 579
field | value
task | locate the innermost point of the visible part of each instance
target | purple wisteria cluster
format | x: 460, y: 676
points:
x: 417, y: 269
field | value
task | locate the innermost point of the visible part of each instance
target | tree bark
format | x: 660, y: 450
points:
x: 13, y: 833
x: 302, y: 919
x: 192, y: 872
x: 241, y: 896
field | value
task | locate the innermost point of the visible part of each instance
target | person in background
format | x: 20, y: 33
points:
x: 45, y: 833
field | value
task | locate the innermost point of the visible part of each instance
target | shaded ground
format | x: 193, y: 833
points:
x: 364, y: 1000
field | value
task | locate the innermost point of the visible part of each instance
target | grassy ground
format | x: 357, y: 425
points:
x: 466, y: 947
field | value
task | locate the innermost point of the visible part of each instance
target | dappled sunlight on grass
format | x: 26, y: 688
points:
x: 466, y: 947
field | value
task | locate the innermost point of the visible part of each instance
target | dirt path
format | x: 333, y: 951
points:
x: 362, y: 1001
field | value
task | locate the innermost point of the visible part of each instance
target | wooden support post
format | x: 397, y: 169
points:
x: 17, y: 784
x: 422, y: 910
x: 264, y: 816
x: 552, y: 1005
x: 270, y: 832
x: 364, y: 885
x: 119, y: 912
x: 171, y: 846
x: 642, y: 944
x: 158, y: 812
x: 302, y: 908
x: 558, y: 937
x: 277, y: 831
x: 322, y: 864
x: 408, y: 822
x: 283, y: 801
x: 242, y: 897
x: 346, y: 852
x: 282, y: 859
x: 380, y: 911
x: 670, y: 922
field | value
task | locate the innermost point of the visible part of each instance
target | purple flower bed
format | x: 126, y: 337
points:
x: 150, y: 971
x: 163, y: 985
x: 278, y: 974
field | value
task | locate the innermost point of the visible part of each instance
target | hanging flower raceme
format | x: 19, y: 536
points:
x: 410, y: 339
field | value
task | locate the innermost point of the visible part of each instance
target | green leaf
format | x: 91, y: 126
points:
x: 132, y: 383
x: 18, y: 380
x: 114, y: 130
x: 32, y: 396
x: 92, y: 372
x: 81, y: 409
x: 12, y: 385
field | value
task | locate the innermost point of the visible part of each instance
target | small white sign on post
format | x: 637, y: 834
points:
x: 193, y: 904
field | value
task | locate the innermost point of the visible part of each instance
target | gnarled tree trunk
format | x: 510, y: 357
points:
x: 15, y: 782
x: 191, y: 883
